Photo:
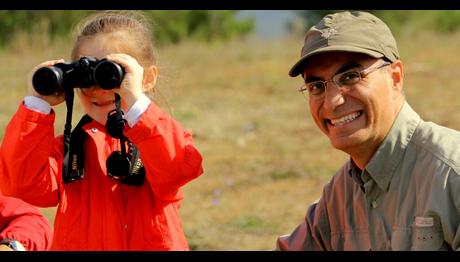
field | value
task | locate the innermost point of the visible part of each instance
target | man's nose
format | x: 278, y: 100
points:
x: 333, y: 96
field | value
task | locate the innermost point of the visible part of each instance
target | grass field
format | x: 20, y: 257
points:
x: 264, y: 159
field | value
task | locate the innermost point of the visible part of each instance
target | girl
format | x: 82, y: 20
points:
x: 97, y: 211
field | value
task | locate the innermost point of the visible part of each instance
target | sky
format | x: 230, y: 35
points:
x: 269, y: 23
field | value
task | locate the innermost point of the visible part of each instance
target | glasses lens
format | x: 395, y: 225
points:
x: 118, y: 166
x: 316, y: 88
x: 348, y: 78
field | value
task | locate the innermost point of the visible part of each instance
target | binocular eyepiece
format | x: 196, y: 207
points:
x: 83, y: 73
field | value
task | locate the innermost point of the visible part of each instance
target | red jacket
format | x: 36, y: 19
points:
x: 98, y: 212
x: 24, y: 223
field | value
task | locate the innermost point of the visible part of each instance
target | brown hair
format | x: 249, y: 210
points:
x: 131, y: 30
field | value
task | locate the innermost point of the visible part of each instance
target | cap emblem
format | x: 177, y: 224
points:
x: 328, y: 32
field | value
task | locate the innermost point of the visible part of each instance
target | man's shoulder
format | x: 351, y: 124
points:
x: 440, y: 141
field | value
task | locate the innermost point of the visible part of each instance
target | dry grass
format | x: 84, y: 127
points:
x: 265, y: 161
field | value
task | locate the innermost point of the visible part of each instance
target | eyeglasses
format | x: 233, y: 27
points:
x: 345, y: 81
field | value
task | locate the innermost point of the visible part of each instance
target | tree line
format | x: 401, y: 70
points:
x: 169, y: 26
x: 441, y: 21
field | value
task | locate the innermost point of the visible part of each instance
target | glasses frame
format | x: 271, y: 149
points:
x: 306, y: 87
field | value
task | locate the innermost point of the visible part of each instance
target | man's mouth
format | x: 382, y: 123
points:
x: 345, y: 119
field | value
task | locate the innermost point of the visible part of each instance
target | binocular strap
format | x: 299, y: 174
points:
x: 129, y: 163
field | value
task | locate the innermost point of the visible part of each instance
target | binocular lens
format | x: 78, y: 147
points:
x: 47, y: 80
x: 108, y: 75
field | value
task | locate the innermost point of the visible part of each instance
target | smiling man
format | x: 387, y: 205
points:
x: 400, y: 189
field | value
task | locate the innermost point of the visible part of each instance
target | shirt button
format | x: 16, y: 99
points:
x: 126, y: 226
x: 374, y: 204
x: 94, y: 130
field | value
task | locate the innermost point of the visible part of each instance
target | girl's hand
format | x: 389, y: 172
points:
x: 131, y: 87
x: 54, y: 99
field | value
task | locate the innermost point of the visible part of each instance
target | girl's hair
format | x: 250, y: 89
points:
x: 130, y: 30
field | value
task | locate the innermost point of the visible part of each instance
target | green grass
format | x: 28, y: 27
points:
x: 264, y: 159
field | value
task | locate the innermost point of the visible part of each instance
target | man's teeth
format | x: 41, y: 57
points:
x: 345, y: 119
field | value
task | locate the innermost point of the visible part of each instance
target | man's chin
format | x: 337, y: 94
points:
x: 345, y: 142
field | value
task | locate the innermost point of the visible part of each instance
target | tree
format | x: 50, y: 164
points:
x: 170, y: 26
x: 443, y: 21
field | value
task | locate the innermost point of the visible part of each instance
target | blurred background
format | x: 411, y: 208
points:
x: 224, y: 76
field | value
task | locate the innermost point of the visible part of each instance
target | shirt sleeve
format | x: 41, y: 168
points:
x: 170, y: 158
x: 137, y: 109
x: 24, y: 223
x: 37, y: 104
x: 31, y: 158
x: 307, y: 236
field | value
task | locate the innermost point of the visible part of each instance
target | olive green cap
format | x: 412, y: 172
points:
x: 356, y: 31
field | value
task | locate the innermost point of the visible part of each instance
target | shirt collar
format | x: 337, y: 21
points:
x: 387, y: 157
x: 356, y: 174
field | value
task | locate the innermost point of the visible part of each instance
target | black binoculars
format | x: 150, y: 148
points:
x: 83, y: 73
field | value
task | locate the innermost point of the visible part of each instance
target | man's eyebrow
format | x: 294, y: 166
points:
x: 343, y: 68
x: 348, y: 66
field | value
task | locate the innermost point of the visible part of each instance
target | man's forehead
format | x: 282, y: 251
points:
x: 334, y: 61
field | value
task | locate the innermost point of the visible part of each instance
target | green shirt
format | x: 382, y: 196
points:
x: 407, y: 197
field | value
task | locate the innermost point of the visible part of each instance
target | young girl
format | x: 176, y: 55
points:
x: 97, y: 211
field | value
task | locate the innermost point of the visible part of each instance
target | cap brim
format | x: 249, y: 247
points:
x: 298, y: 67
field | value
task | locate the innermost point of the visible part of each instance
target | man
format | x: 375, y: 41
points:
x: 400, y: 189
x: 22, y: 226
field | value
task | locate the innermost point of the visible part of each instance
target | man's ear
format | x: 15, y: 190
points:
x: 397, y: 75
x: 150, y: 78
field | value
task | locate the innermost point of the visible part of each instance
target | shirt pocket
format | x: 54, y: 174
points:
x: 418, y: 238
x: 427, y: 238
